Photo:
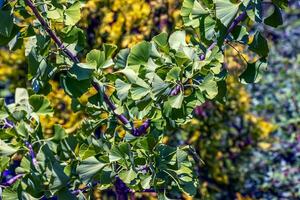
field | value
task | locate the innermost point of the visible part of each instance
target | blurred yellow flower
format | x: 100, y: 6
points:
x: 263, y: 127
x: 63, y: 113
x: 264, y: 145
x: 241, y: 197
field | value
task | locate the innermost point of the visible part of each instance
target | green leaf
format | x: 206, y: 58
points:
x: 146, y: 182
x: 209, y: 86
x: 73, y: 14
x: 58, y: 178
x: 87, y: 151
x: 73, y: 37
x: 130, y: 74
x: 173, y: 74
x: 246, y: 2
x: 121, y: 58
x: 241, y: 34
x: 128, y: 176
x: 275, y: 19
x: 176, y: 101
x: 101, y: 59
x: 6, y: 150
x: 33, y: 63
x: 59, y: 133
x: 5, y: 40
x: 226, y: 11
x: 81, y: 71
x: 96, y: 57
x: 189, y: 187
x: 161, y: 41
x: 25, y: 165
x: 88, y: 168
x: 73, y: 87
x: 138, y: 92
x: 9, y: 194
x: 139, y: 53
x: 256, y: 13
x: 118, y: 152
x: 56, y: 15
x: 192, y: 12
x: 4, y: 162
x: 259, y: 45
x: 21, y: 96
x: 109, y: 50
x: 181, y: 58
x: 177, y: 40
x: 65, y: 194
x: 253, y: 72
x: 122, y: 89
x: 207, y: 27
x: 199, y: 96
x: 181, y: 156
x: 41, y: 105
x: 158, y: 85
x: 7, y: 24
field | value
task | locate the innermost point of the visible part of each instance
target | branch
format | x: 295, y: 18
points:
x: 142, y: 129
x: 32, y: 154
x: 232, y: 26
x: 75, y: 59
x: 12, y: 180
x: 7, y: 124
x: 50, y: 32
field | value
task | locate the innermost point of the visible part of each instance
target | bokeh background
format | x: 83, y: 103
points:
x: 248, y: 147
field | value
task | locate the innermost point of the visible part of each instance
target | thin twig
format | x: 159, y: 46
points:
x: 239, y: 53
x: 32, y: 154
x: 12, y: 180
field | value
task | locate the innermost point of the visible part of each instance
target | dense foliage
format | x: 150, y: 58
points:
x: 128, y: 102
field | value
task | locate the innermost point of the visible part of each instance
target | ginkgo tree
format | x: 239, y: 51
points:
x: 146, y: 83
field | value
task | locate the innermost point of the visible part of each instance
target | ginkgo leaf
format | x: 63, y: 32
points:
x: 173, y: 74
x: 89, y: 168
x: 6, y: 150
x: 138, y: 92
x: 275, y: 19
x: 226, y: 11
x: 122, y: 89
x: 177, y: 40
x: 128, y: 176
x: 73, y: 14
x: 259, y: 45
x: 176, y: 101
x: 161, y: 41
x: 253, y: 72
x: 139, y: 53
x: 192, y: 11
x: 56, y: 15
x: 6, y: 21
x: 209, y: 86
x: 41, y: 105
x: 130, y: 74
x: 81, y: 71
